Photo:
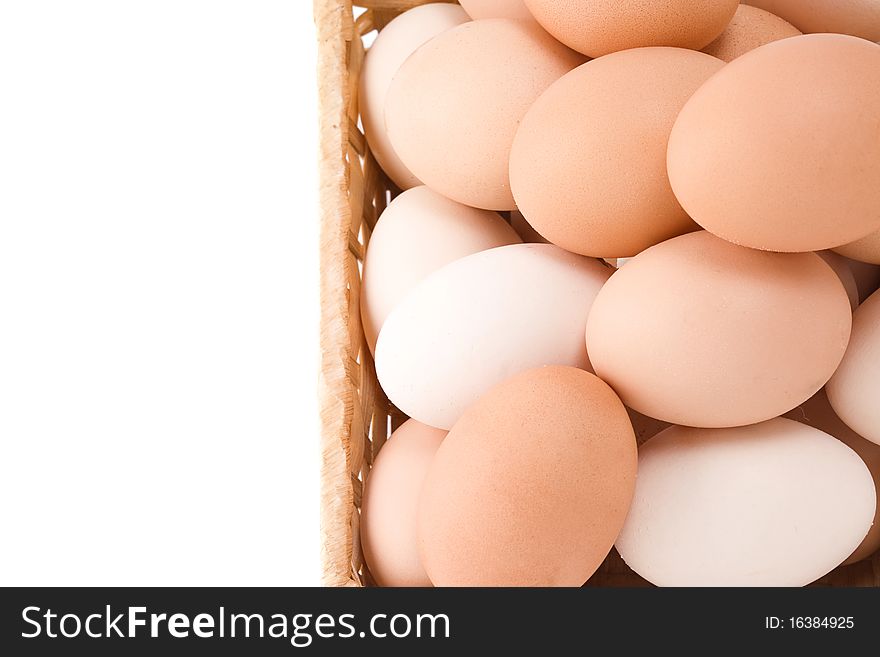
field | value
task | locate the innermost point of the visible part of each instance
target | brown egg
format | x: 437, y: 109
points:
x: 397, y: 41
x: 860, y: 18
x: 388, y: 511
x: 588, y: 164
x: 454, y: 106
x: 854, y: 390
x: 866, y: 249
x: 478, y: 9
x: 700, y: 332
x: 599, y: 27
x: 779, y: 149
x: 817, y: 412
x: 531, y: 486
x: 750, y: 28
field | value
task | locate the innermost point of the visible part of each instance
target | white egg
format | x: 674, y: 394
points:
x: 772, y: 504
x: 481, y: 319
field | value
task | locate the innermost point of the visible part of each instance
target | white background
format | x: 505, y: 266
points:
x: 158, y: 293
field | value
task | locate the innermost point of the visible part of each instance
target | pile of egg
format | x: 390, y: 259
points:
x: 627, y: 294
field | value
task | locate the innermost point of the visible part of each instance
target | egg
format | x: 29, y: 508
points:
x: 750, y: 28
x: 844, y: 272
x: 779, y: 149
x: 859, y: 18
x: 866, y: 249
x: 588, y: 164
x: 531, y: 486
x: 817, y: 413
x: 419, y: 232
x: 496, y: 9
x: 397, y: 41
x: 455, y: 104
x: 701, y: 332
x: 599, y: 27
x: 390, y: 503
x: 772, y: 504
x: 481, y: 319
x: 854, y: 390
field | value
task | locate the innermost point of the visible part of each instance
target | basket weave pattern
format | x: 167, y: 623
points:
x: 356, y: 417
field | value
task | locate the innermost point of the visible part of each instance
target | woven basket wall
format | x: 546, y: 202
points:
x: 356, y: 417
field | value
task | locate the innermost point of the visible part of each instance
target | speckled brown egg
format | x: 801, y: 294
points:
x: 599, y: 27
x: 588, y: 164
x: 391, y: 496
x: 531, y: 486
x: 779, y: 150
x: 397, y: 41
x: 859, y: 18
x: 700, y: 332
x: 750, y: 28
x: 454, y: 106
x: 817, y: 412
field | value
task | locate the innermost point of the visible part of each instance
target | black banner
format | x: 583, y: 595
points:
x: 118, y: 621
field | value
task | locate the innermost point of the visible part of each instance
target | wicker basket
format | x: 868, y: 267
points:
x: 356, y: 417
